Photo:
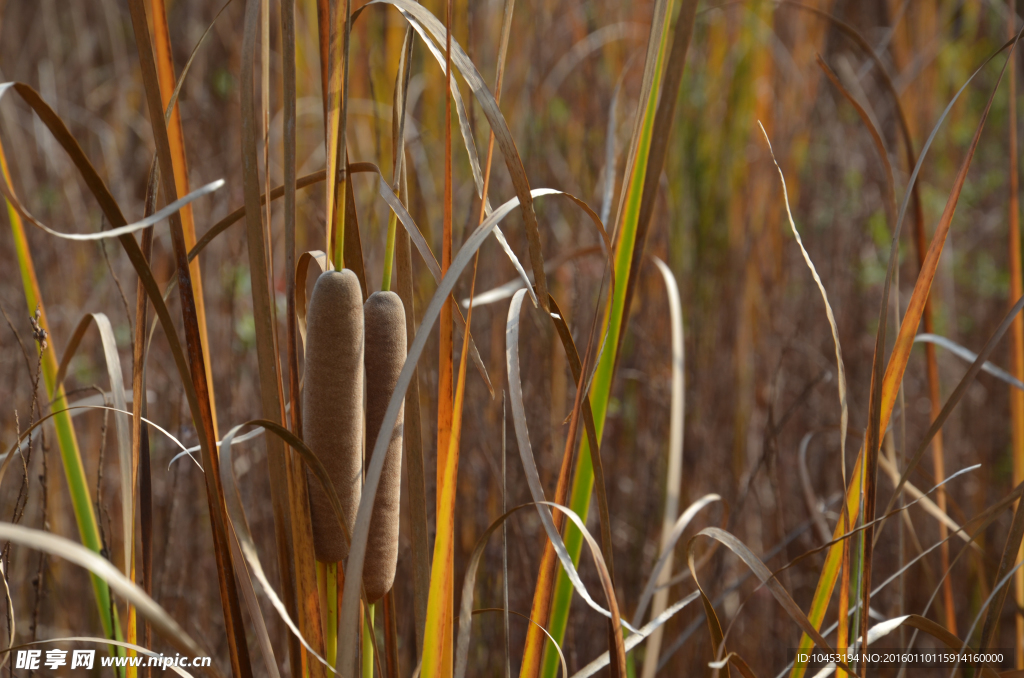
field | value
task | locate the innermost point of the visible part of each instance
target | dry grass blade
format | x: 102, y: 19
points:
x: 889, y: 466
x: 714, y: 625
x: 662, y: 570
x: 765, y: 575
x: 536, y: 489
x: 844, y: 417
x: 505, y: 291
x: 674, y: 474
x: 320, y: 258
x: 104, y: 569
x: 967, y: 355
x: 169, y: 211
x: 238, y: 214
x: 640, y: 636
x: 265, y: 330
x: 565, y: 671
x: 506, y: 31
x: 737, y: 661
x: 323, y: 25
x: 122, y: 422
x: 398, y: 108
x: 810, y: 498
x: 398, y: 101
x: 290, y: 186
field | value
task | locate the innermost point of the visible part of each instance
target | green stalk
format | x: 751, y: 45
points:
x: 368, y: 644
x: 583, y: 477
x: 70, y: 456
x: 331, y: 639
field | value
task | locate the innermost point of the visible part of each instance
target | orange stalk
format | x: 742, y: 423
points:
x: 444, y: 381
x: 168, y: 79
x: 1016, y: 337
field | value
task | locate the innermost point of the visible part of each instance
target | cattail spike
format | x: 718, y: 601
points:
x: 332, y: 404
x: 384, y: 322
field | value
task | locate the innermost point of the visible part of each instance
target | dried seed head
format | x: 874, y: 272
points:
x: 384, y: 322
x: 332, y: 404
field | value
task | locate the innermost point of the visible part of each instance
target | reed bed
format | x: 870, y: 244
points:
x: 485, y: 338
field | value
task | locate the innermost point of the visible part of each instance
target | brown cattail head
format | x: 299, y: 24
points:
x: 384, y: 320
x: 332, y: 405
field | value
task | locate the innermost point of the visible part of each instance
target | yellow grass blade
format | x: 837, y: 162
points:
x: 437, y: 639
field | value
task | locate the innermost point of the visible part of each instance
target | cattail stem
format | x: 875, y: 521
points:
x: 321, y: 591
x: 337, y: 244
x: 389, y: 252
x: 331, y: 633
x: 368, y: 643
x: 327, y: 589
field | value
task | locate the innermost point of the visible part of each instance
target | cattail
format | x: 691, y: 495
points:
x: 384, y: 320
x: 332, y: 405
